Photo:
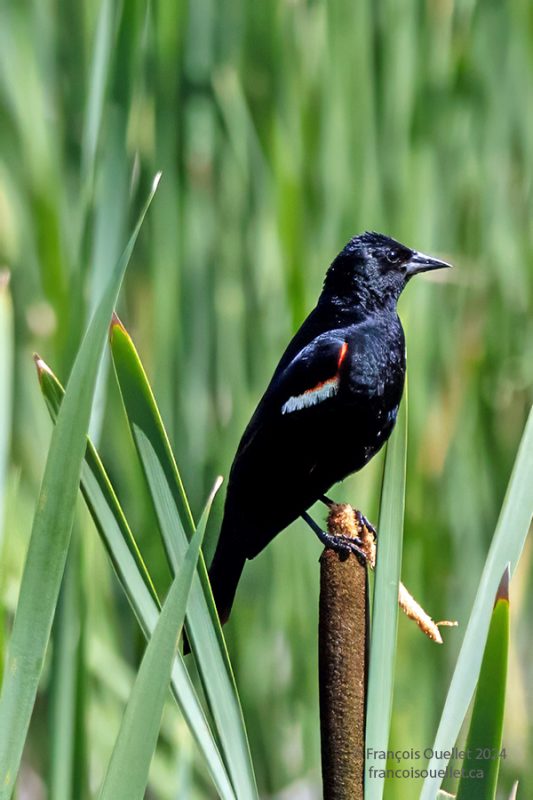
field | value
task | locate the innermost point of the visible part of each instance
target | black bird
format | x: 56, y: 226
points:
x: 330, y: 406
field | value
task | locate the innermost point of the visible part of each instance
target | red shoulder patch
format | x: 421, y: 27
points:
x: 342, y: 354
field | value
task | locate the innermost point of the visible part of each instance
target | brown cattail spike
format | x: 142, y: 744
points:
x: 342, y: 663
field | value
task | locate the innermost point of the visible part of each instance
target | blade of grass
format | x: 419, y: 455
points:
x: 98, y: 78
x: 6, y: 388
x: 52, y: 524
x: 134, y: 578
x: 80, y: 768
x: 506, y: 547
x: 142, y: 411
x: 6, y: 375
x: 93, y: 475
x: 222, y: 695
x: 176, y: 524
x: 480, y: 773
x: 66, y: 637
x: 111, y: 202
x: 127, y: 774
x: 385, y: 603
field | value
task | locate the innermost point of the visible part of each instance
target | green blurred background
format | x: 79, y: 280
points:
x: 282, y: 129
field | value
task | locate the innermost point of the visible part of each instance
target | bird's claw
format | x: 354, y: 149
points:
x: 346, y: 545
x: 341, y: 544
x: 363, y: 522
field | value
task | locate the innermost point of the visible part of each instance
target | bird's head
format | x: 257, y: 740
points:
x: 372, y: 270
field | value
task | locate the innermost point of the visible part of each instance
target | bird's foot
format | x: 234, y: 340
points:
x: 344, y: 545
x: 363, y: 522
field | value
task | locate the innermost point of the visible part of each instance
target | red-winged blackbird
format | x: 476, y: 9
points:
x: 330, y: 406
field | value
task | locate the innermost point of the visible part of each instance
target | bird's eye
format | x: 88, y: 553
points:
x: 393, y: 256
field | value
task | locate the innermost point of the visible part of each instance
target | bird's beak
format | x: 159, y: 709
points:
x: 419, y: 262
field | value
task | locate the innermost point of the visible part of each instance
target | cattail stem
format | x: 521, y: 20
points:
x: 343, y: 638
x: 343, y: 643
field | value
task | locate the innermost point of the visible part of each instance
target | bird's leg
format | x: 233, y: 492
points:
x: 341, y: 544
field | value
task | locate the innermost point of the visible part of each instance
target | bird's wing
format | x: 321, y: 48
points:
x: 313, y: 376
x: 309, y: 379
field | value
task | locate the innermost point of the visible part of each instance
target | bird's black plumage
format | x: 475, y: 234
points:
x: 330, y: 406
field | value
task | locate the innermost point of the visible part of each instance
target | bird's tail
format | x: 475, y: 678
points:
x: 224, y: 575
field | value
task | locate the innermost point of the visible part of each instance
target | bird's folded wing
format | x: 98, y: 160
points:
x: 308, y: 382
x: 313, y: 376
